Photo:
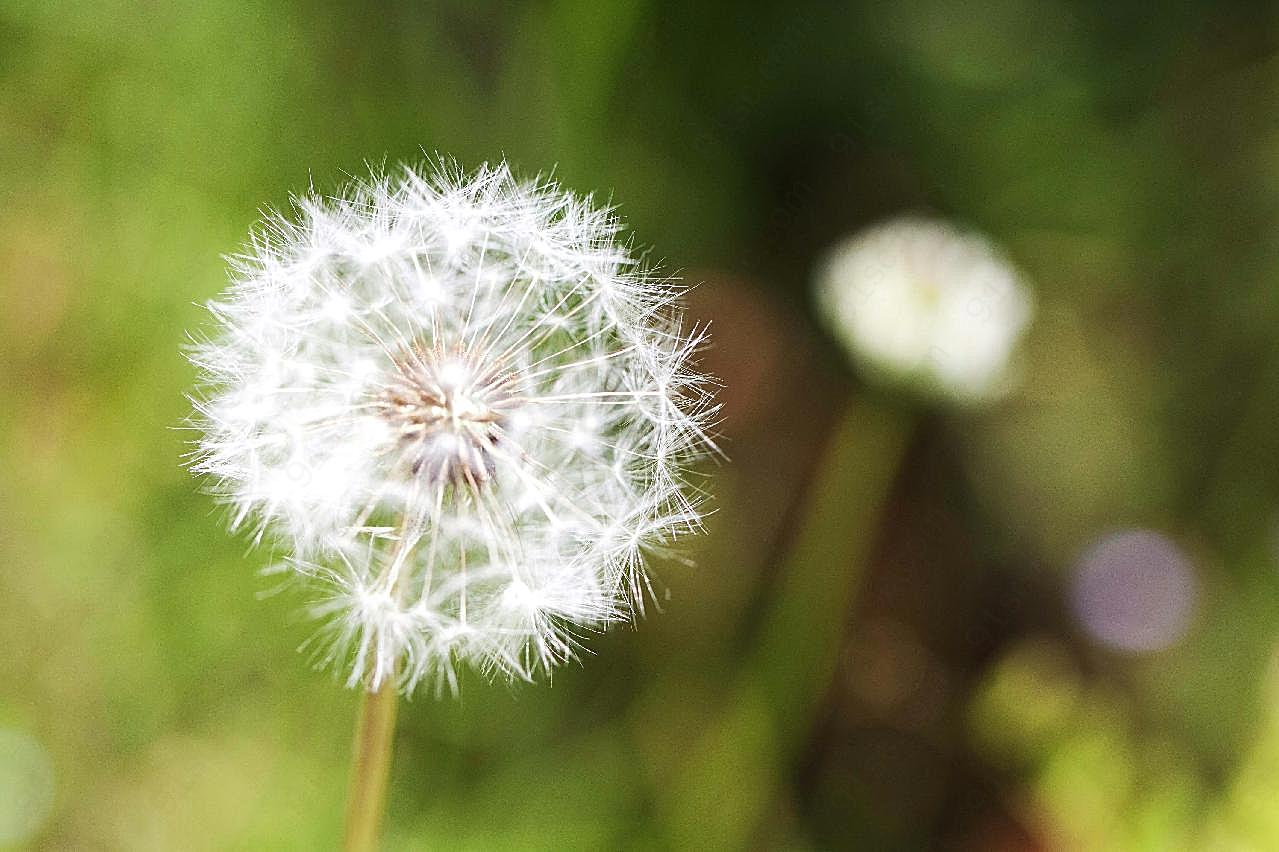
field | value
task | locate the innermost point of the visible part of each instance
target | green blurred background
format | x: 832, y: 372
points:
x: 946, y: 696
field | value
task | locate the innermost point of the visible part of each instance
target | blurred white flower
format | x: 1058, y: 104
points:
x: 463, y: 409
x: 919, y: 302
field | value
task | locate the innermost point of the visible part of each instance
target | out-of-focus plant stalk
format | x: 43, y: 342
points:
x: 796, y: 653
x: 374, y: 732
x: 821, y: 573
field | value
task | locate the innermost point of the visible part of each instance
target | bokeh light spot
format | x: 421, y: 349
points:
x: 1134, y: 590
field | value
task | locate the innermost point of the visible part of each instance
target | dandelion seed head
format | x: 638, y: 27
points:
x: 922, y: 303
x: 465, y: 411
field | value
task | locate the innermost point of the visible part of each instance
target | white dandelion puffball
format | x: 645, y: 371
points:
x: 462, y: 409
x: 920, y: 302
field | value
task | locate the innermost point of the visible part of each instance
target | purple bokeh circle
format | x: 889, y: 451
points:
x: 1134, y: 590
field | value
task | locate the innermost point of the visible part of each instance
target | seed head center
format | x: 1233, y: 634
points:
x: 449, y: 410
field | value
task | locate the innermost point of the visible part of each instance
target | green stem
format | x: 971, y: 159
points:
x: 798, y: 646
x: 718, y: 800
x: 374, y: 732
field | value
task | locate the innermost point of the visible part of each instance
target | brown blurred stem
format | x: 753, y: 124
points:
x: 366, y: 801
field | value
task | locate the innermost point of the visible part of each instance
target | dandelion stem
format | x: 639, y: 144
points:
x: 369, y: 771
x: 374, y: 733
x: 821, y: 575
x: 731, y: 775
